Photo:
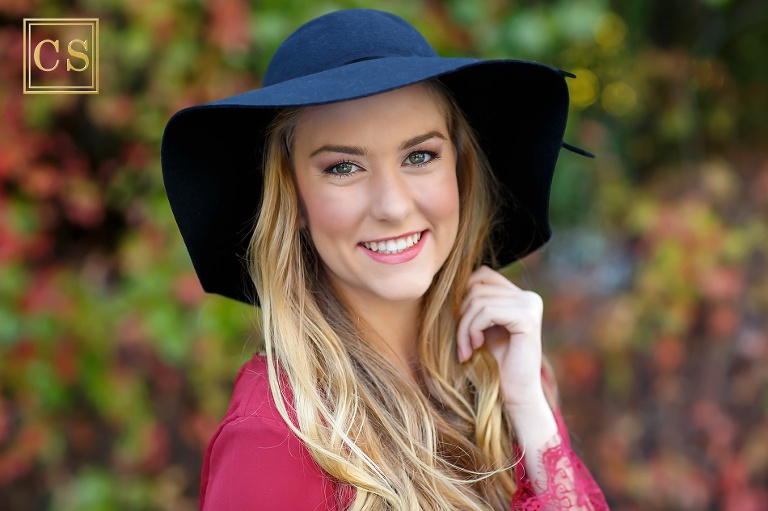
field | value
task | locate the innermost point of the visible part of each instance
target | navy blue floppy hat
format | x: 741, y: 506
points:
x: 211, y: 154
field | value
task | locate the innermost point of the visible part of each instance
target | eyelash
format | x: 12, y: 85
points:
x: 329, y: 169
x: 433, y: 156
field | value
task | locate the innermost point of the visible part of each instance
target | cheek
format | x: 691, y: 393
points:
x: 442, y: 201
x: 330, y: 217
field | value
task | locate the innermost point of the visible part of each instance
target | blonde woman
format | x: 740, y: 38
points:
x: 361, y: 198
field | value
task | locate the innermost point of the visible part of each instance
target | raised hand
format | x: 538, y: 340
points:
x: 507, y: 321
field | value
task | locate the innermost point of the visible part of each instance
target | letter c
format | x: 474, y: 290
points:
x: 37, y: 54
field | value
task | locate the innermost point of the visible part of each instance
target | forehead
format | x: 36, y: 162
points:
x: 399, y: 113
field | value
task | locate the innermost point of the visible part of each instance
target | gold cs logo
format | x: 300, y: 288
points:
x: 71, y: 50
x: 48, y: 41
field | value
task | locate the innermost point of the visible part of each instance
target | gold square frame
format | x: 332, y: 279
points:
x: 30, y: 88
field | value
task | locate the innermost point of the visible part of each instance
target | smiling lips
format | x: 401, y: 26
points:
x: 394, y: 245
x: 395, y: 250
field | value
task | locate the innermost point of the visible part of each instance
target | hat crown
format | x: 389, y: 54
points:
x: 344, y: 37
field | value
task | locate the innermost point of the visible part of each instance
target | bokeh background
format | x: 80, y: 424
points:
x: 115, y: 368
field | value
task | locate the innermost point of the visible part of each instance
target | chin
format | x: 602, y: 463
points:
x: 403, y: 290
x: 403, y: 297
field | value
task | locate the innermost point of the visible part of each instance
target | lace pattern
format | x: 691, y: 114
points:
x: 570, y: 486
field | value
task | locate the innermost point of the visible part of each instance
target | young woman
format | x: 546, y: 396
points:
x: 363, y: 189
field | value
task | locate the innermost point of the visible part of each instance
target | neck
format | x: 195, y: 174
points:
x: 393, y: 327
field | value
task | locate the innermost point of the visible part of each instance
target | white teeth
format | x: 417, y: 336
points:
x: 393, y: 246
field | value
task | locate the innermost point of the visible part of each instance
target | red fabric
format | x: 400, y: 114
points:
x: 255, y: 462
x: 570, y: 486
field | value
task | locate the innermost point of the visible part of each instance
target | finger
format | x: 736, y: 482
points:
x: 480, y: 291
x: 463, y: 342
x: 492, y: 311
x: 483, y: 280
x: 486, y: 318
x: 516, y: 297
x: 517, y: 311
x: 521, y: 313
x: 464, y: 337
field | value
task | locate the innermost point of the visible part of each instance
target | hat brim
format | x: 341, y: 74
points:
x: 212, y: 154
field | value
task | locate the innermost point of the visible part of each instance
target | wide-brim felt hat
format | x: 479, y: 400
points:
x: 212, y: 154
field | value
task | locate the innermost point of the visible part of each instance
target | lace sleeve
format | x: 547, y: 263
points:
x: 569, y: 485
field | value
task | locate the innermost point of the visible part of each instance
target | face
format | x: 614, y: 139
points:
x: 377, y: 181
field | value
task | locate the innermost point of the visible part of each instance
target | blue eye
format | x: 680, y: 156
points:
x: 342, y: 169
x: 420, y: 158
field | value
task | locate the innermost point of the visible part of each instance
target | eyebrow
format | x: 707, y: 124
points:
x: 418, y: 139
x: 355, y: 150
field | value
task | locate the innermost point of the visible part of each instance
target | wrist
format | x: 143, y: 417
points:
x: 534, y: 421
x: 527, y: 404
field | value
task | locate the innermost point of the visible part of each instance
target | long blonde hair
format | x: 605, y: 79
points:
x: 441, y: 443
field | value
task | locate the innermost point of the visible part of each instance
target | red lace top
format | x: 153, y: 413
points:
x: 254, y: 462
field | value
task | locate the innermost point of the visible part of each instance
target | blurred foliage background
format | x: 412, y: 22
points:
x: 115, y: 368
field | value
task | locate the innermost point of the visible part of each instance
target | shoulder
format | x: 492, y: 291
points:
x: 254, y: 461
x: 252, y: 397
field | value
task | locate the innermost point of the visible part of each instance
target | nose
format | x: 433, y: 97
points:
x: 391, y: 195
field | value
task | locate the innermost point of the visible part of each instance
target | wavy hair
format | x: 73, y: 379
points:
x: 442, y: 442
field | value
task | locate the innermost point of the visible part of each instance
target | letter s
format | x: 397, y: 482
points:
x: 77, y: 54
x: 37, y: 54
